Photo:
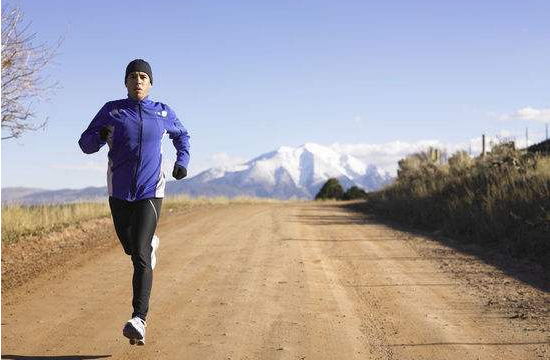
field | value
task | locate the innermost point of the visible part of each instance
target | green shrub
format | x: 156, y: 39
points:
x: 500, y: 200
x: 354, y: 192
x: 330, y: 190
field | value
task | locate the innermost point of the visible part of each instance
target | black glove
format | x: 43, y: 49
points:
x: 106, y: 132
x: 179, y: 172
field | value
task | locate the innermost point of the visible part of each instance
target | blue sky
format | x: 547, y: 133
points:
x: 246, y: 77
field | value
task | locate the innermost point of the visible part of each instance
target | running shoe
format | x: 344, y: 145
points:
x: 134, y: 330
x: 154, y: 245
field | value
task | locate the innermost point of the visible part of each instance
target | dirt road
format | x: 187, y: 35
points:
x: 267, y: 281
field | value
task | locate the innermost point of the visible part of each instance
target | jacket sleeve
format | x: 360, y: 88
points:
x: 90, y: 142
x: 180, y: 138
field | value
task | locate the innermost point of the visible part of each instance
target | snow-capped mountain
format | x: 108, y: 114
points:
x: 285, y: 173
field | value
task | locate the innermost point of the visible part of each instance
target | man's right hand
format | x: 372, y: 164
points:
x: 106, y: 132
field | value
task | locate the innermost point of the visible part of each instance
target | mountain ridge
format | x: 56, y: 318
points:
x: 285, y: 173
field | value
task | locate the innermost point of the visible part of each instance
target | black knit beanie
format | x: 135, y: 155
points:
x: 139, y: 65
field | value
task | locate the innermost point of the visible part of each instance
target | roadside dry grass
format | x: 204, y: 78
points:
x: 20, y: 221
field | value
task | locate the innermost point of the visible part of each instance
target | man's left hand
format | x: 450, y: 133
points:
x: 179, y: 172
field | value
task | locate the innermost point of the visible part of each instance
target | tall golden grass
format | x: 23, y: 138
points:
x: 501, y: 200
x: 19, y: 221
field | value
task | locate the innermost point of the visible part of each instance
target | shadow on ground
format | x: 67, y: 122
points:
x: 525, y: 271
x: 63, y: 357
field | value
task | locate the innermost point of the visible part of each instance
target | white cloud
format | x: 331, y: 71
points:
x: 386, y: 155
x: 528, y: 113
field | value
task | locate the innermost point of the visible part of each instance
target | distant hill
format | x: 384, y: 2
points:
x: 11, y: 194
x: 30, y: 196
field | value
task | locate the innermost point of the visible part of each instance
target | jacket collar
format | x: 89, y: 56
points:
x: 144, y: 101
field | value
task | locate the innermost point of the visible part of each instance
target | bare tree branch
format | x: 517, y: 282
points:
x: 23, y: 83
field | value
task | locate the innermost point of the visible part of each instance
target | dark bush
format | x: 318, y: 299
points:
x: 330, y: 190
x: 354, y: 192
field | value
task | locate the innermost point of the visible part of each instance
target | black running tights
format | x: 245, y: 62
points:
x: 135, y: 223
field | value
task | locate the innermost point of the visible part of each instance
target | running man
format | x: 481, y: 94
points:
x: 133, y: 128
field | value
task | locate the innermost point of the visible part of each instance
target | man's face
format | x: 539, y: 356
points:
x: 138, y: 85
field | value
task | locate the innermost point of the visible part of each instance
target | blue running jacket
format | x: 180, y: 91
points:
x: 134, y: 170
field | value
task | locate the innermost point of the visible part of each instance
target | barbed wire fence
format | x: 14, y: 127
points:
x: 483, y: 144
x: 521, y: 140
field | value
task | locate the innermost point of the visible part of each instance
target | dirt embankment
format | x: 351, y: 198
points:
x: 40, y: 254
x: 54, y: 253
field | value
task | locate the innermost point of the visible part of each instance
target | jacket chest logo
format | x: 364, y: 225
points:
x: 162, y: 113
x: 116, y: 112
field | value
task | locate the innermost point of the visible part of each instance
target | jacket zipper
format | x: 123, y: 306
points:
x: 134, y: 184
